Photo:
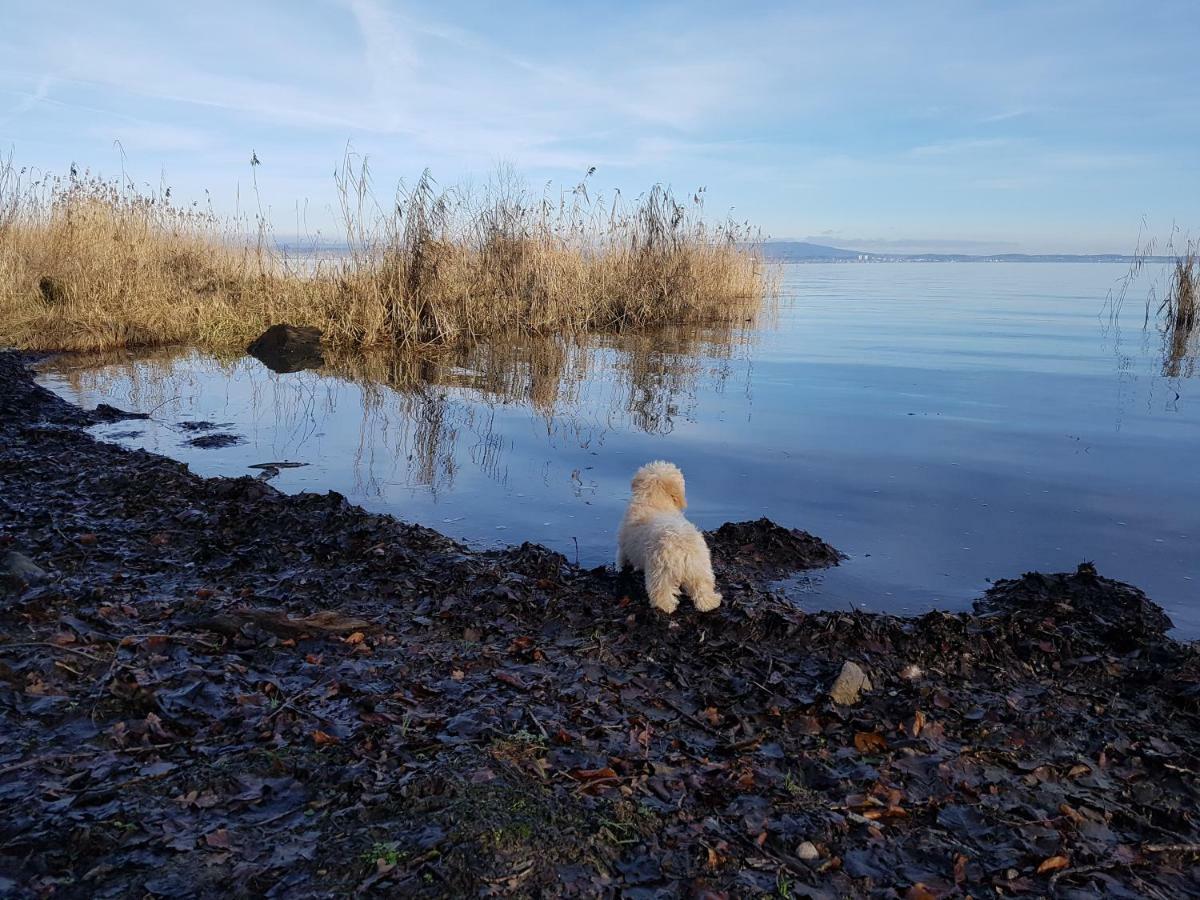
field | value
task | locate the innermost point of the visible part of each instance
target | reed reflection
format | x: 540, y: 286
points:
x: 422, y: 416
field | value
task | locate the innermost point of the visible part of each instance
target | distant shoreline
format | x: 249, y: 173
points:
x: 1127, y: 261
x: 802, y: 251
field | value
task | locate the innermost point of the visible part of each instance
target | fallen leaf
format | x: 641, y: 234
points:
x: 1053, y: 864
x: 891, y: 812
x: 915, y: 724
x: 933, y: 731
x: 593, y: 774
x: 510, y: 679
x: 218, y: 839
x: 960, y: 868
x: 356, y: 638
x: 329, y: 621
x: 869, y: 742
x: 321, y: 739
x: 206, y: 800
x: 1073, y: 814
x: 808, y: 725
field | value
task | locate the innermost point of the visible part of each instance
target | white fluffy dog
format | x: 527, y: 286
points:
x: 655, y: 538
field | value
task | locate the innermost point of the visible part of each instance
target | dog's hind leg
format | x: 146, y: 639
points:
x: 701, y: 585
x: 703, y: 592
x: 663, y: 588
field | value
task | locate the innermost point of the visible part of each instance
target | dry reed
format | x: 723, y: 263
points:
x: 1179, y: 314
x: 94, y: 264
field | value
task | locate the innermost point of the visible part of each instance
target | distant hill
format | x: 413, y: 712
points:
x: 794, y: 251
x: 803, y: 251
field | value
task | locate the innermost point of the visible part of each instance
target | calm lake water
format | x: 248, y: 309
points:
x: 943, y: 424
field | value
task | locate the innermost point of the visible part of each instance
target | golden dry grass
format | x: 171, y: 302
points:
x: 90, y: 264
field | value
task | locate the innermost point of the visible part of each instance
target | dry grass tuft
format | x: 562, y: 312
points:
x: 91, y: 264
x: 1179, y: 314
x: 1184, y: 297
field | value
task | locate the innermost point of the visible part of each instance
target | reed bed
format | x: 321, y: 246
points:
x: 1179, y: 314
x: 94, y: 264
x: 1182, y: 304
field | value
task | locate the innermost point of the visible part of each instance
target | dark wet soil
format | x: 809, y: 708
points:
x: 214, y: 441
x: 222, y: 690
x: 198, y: 426
x: 769, y: 550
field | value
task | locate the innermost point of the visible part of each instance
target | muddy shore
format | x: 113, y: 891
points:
x: 209, y: 688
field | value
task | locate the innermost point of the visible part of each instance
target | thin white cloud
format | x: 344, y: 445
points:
x: 153, y: 137
x: 1084, y: 161
x: 29, y: 101
x: 1005, y: 116
x: 965, y: 146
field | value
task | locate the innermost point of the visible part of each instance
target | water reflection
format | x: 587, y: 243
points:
x: 1177, y: 319
x: 422, y: 414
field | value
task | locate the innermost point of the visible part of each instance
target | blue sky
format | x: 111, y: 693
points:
x: 1055, y: 126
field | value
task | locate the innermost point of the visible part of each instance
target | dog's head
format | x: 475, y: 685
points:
x: 660, y: 483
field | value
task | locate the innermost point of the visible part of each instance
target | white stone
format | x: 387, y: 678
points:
x: 851, y: 682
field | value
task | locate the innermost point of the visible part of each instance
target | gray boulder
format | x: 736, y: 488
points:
x: 288, y: 348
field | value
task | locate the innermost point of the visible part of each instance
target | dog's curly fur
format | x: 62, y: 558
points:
x: 655, y: 538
